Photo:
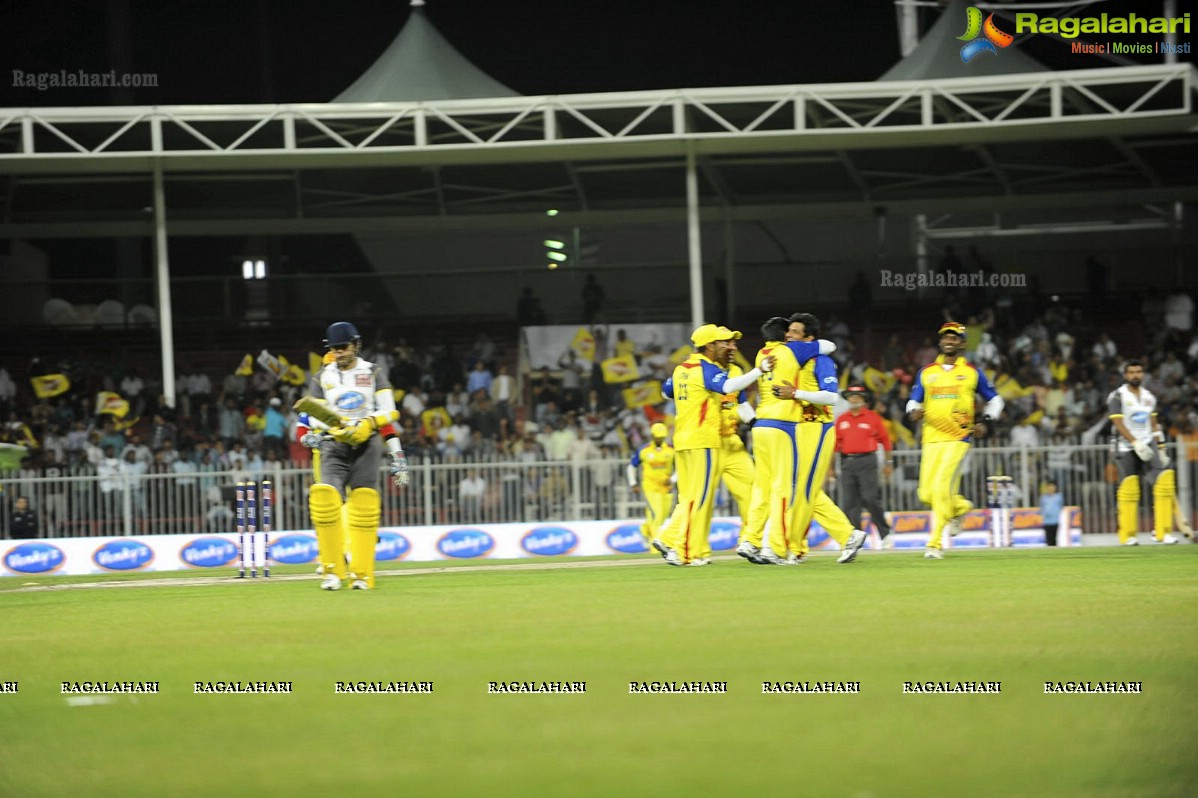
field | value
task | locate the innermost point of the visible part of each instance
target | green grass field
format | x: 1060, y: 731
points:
x: 1019, y: 617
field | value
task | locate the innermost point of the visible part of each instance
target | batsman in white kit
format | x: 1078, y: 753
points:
x: 349, y: 400
x: 1140, y: 455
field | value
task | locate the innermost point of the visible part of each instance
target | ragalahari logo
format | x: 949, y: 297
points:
x: 992, y: 36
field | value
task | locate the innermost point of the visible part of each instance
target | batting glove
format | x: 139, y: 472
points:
x: 311, y: 440
x: 355, y: 435
x: 399, y: 470
x: 1142, y: 450
x: 1165, y: 460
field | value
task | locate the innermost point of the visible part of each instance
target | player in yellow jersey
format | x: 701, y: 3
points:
x: 945, y: 399
x: 738, y: 465
x: 654, y: 464
x: 698, y: 386
x: 775, y: 450
x: 813, y: 392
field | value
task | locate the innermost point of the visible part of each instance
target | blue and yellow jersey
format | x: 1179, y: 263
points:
x: 786, y: 372
x: 657, y: 464
x: 817, y: 374
x: 949, y: 398
x: 697, y: 389
x: 729, y: 418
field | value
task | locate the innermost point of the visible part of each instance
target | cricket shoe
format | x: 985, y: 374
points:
x: 852, y: 546
x: 1169, y: 539
x: 330, y: 582
x: 699, y: 561
x: 953, y: 527
x: 659, y: 546
x: 359, y: 584
x: 320, y: 570
x: 1131, y: 542
x: 672, y: 558
x: 748, y: 550
x: 887, y: 543
x: 767, y: 557
x: 933, y: 554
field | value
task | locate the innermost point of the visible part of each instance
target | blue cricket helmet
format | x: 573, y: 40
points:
x: 341, y: 333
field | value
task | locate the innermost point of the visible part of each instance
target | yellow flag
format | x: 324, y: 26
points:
x: 680, y: 354
x: 49, y: 385
x: 247, y: 366
x: 647, y: 393
x: 441, y: 413
x: 122, y: 424
x: 112, y: 404
x: 315, y: 362
x: 620, y: 369
x: 294, y: 375
x: 584, y: 344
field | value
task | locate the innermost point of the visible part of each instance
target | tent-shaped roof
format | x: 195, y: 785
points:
x: 421, y: 65
x: 939, y: 54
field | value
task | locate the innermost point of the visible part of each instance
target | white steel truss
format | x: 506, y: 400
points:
x: 1049, y: 105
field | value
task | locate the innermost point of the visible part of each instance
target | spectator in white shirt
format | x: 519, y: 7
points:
x: 471, y: 491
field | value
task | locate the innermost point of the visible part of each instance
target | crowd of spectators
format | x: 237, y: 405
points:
x: 1054, y: 365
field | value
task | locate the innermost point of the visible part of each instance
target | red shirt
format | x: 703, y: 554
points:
x: 861, y: 434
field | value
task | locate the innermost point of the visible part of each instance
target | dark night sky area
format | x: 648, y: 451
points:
x: 305, y: 51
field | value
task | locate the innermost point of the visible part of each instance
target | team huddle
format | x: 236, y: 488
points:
x: 794, y: 441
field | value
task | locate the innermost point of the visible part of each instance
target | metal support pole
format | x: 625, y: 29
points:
x: 162, y: 274
x: 693, y: 241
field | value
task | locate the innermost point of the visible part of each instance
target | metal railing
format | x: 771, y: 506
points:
x: 519, y: 491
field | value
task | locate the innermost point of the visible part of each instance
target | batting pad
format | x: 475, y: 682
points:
x: 363, y: 509
x: 324, y: 504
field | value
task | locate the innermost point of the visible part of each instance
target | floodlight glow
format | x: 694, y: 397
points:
x: 551, y: 212
x: 554, y: 244
x: 247, y: 269
x: 560, y: 257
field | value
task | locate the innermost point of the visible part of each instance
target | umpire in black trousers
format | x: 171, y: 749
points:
x: 859, y: 433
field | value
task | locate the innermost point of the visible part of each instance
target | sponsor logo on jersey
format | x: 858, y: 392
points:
x: 34, y: 558
x: 208, y: 552
x: 465, y: 543
x: 362, y: 380
x: 294, y: 549
x: 1140, y: 417
x: 350, y: 400
x: 627, y: 539
x: 123, y: 555
x: 548, y: 541
x: 392, y: 546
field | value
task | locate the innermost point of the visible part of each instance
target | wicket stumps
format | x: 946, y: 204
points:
x: 999, y: 499
x: 254, y: 540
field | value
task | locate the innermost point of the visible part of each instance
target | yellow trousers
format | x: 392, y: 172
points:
x: 816, y: 443
x: 738, y: 474
x: 689, y: 526
x: 773, y: 496
x: 657, y: 512
x: 940, y: 485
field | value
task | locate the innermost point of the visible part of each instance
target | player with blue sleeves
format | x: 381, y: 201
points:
x: 656, y: 461
x: 945, y: 398
x: 698, y: 386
